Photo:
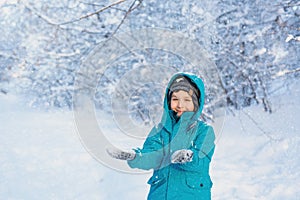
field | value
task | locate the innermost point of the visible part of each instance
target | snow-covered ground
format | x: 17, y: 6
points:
x: 41, y: 156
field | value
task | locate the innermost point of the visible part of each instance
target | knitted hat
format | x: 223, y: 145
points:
x: 185, y: 84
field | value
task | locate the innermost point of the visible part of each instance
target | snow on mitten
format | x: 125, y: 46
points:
x: 119, y: 154
x: 182, y: 156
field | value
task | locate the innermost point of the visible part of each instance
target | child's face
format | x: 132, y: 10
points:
x: 181, y: 102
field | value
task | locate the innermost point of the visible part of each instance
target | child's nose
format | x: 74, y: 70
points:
x: 180, y: 103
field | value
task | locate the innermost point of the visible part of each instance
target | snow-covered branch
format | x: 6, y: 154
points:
x: 286, y: 72
x: 252, y: 44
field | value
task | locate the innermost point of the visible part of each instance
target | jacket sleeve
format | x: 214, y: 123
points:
x: 203, y: 147
x: 152, y: 153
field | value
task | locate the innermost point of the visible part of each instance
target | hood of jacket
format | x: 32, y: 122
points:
x: 193, y: 116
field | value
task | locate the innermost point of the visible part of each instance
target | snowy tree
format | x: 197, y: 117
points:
x: 252, y: 37
x: 253, y: 43
x: 43, y: 44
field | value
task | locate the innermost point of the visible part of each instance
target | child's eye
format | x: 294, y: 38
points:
x: 174, y: 99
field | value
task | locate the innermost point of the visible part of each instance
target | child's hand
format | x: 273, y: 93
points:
x: 182, y: 156
x: 119, y: 154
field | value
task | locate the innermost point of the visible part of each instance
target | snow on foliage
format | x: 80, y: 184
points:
x: 43, y: 43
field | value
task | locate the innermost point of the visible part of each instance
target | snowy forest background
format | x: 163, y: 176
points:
x: 255, y: 46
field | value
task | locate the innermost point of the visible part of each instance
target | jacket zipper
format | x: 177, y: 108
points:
x: 168, y: 177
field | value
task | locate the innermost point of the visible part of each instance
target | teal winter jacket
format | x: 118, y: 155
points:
x: 184, y: 181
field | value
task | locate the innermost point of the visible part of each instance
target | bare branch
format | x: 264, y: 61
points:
x: 131, y: 8
x: 102, y: 9
x: 265, y: 101
x: 94, y: 13
x: 259, y: 127
x: 40, y: 15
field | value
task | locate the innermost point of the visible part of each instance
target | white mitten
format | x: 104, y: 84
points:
x: 182, y: 156
x: 119, y: 154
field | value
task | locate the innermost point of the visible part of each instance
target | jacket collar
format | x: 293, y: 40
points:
x: 167, y: 120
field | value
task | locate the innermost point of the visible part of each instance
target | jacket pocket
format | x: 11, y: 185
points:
x: 156, y: 180
x: 196, y: 182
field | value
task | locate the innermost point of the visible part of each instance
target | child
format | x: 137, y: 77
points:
x: 180, y: 148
